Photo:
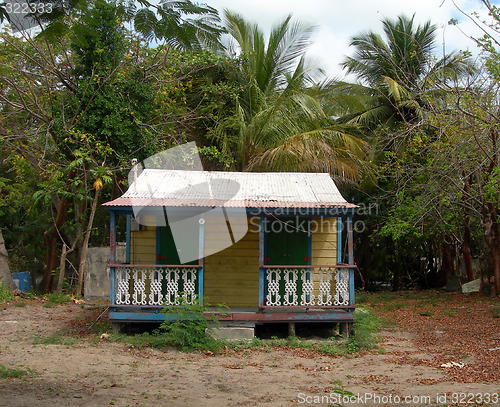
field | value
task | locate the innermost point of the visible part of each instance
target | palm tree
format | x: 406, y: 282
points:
x: 394, y: 74
x: 281, y: 123
x: 180, y: 24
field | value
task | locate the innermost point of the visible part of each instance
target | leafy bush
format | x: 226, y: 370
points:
x: 365, y: 327
x: 5, y: 293
x: 187, y: 328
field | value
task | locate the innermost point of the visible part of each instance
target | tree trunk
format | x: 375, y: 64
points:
x: 5, y: 275
x: 492, y: 237
x: 83, y: 253
x: 396, y: 279
x: 51, y: 238
x: 62, y: 269
x: 466, y: 251
x: 448, y: 264
x: 496, y: 270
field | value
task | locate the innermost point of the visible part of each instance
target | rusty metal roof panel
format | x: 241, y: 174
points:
x: 232, y: 189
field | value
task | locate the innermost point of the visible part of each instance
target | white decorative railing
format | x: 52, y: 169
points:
x: 155, y: 285
x: 307, y: 286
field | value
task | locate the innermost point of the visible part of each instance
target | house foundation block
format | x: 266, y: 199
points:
x: 233, y: 333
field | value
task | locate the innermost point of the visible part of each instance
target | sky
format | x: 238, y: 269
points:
x: 337, y: 21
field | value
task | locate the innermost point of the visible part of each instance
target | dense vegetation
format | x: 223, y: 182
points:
x: 415, y: 137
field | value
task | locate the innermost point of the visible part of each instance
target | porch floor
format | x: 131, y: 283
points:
x: 251, y: 315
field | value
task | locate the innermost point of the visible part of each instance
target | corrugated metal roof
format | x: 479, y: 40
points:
x: 232, y: 189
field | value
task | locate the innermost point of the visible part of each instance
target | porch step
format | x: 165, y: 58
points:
x: 234, y: 333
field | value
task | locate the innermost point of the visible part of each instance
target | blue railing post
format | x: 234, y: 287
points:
x: 112, y: 256
x: 339, y: 240
x: 201, y: 256
x: 262, y: 281
x: 127, y: 239
x: 350, y: 245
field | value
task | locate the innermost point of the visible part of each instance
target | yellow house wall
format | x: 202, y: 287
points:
x: 143, y: 246
x: 232, y: 275
x: 323, y: 246
x: 324, y: 241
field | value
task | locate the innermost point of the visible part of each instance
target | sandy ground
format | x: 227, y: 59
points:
x: 101, y: 373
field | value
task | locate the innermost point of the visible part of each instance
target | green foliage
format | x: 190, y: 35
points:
x: 181, y: 24
x: 365, y: 327
x: 56, y: 299
x: 5, y: 294
x: 278, y: 122
x: 341, y: 391
x: 187, y: 328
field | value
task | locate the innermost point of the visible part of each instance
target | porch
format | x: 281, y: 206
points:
x: 289, y: 294
x: 285, y: 292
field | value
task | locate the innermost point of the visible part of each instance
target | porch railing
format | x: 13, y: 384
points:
x: 308, y: 286
x: 155, y: 285
x: 285, y: 286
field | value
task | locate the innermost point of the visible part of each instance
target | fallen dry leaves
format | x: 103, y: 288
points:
x: 448, y: 328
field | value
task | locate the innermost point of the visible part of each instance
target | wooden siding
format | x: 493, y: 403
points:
x: 232, y: 275
x: 143, y: 246
x: 323, y: 246
x: 324, y: 242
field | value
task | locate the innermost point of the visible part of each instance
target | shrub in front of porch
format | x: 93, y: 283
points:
x: 188, y: 328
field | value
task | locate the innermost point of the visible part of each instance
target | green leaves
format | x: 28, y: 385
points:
x: 181, y: 24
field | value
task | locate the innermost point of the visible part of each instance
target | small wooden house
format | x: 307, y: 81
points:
x: 292, y: 262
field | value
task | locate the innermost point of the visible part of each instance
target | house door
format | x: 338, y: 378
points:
x: 287, y: 245
x: 287, y: 242
x: 168, y: 252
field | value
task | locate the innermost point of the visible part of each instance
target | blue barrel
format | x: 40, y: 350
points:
x: 22, y: 280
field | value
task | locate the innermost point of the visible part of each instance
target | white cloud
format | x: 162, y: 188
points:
x: 338, y: 21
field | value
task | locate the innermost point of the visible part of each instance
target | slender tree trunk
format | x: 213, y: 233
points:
x: 467, y: 241
x: 466, y: 251
x: 496, y: 270
x: 492, y: 237
x: 62, y: 269
x: 447, y: 265
x: 51, y: 238
x: 83, y: 253
x: 5, y: 275
x: 396, y: 280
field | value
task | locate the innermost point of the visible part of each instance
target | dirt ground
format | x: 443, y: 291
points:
x: 92, y: 372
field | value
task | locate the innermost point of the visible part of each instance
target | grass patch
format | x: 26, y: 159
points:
x: 55, y: 299
x: 385, y: 296
x: 9, y: 373
x: 55, y: 339
x: 495, y: 312
x: 156, y: 339
x: 391, y: 306
x: 450, y: 313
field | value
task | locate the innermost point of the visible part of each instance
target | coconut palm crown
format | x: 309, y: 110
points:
x: 395, y: 73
